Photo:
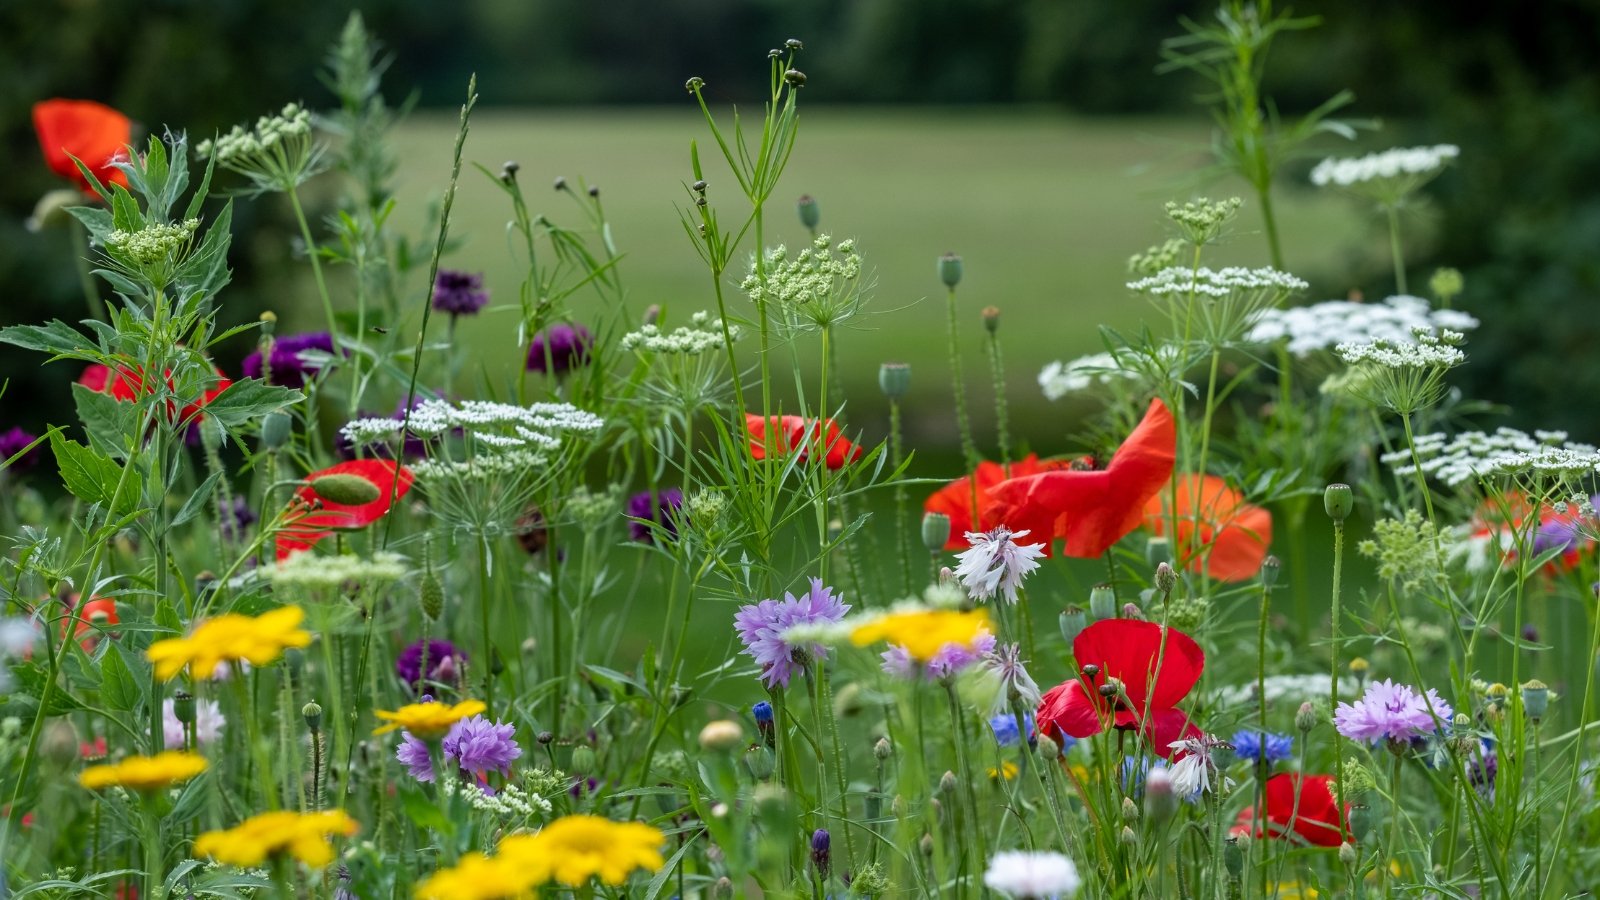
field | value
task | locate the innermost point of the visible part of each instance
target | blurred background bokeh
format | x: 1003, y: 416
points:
x: 1034, y: 137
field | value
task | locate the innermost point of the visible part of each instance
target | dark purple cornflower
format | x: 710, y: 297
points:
x: 287, y: 367
x: 459, y: 293
x: 568, y: 347
x: 444, y: 662
x: 12, y: 442
x: 822, y: 851
x: 659, y: 509
x: 236, y: 521
x: 479, y: 745
x: 762, y: 625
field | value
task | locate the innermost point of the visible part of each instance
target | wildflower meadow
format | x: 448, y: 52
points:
x: 650, y: 611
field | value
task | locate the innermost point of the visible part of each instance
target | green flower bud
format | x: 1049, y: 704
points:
x: 882, y: 750
x: 926, y: 844
x: 1338, y: 500
x: 313, y: 715
x: 722, y: 889
x: 431, y: 595
x: 947, y: 782
x: 894, y: 379
x: 810, y: 213
x: 350, y: 490
x: 1130, y: 811
x: 1102, y: 602
x: 1307, y: 717
x: 183, y: 706
x: 1128, y: 837
x: 760, y: 761
x: 950, y: 270
x: 1269, y: 571
x: 1166, y: 578
x: 1048, y: 748
x: 1347, y: 854
x: 935, y: 531
x: 1233, y: 858
x: 276, y: 428
x: 1446, y: 283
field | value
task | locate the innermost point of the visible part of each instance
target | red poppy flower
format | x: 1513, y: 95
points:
x: 96, y: 614
x: 1127, y: 650
x: 1503, y: 524
x: 1312, y: 816
x: 807, y: 436
x: 328, y: 516
x: 128, y: 384
x: 955, y: 498
x: 1092, y: 510
x: 1232, y: 535
x: 92, y: 132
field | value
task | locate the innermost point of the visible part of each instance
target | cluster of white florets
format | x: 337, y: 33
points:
x: 1322, y: 326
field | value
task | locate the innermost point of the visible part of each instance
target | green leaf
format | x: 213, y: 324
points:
x: 425, y: 814
x: 93, y: 477
x: 248, y: 399
x: 118, y: 688
x: 197, y: 500
x: 57, y: 338
x: 109, y: 422
x: 660, y: 879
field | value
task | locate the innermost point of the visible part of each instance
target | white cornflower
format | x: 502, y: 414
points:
x: 1399, y: 162
x: 208, y: 722
x: 1321, y: 326
x: 1475, y: 454
x: 1181, y: 281
x: 1191, y: 775
x: 1032, y: 875
x: 1011, y: 681
x: 996, y: 563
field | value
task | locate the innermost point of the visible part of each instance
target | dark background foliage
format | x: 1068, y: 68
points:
x: 1514, y: 86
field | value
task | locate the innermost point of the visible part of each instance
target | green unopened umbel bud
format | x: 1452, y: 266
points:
x: 950, y: 270
x: 1446, y: 284
x: 1535, y: 699
x: 1166, y: 578
x: 1073, y: 621
x: 276, y: 428
x: 1338, y: 500
x: 810, y: 212
x: 991, y: 319
x: 894, y: 379
x: 183, y: 706
x: 1102, y: 602
x: 1306, y: 718
x: 349, y: 490
x: 1270, y: 567
x: 760, y: 761
x: 313, y: 715
x: 935, y: 531
x: 723, y: 735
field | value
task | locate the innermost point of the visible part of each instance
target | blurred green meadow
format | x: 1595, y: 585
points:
x: 1043, y: 207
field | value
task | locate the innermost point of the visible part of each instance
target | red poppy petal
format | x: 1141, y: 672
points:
x: 92, y: 132
x: 96, y: 377
x: 1068, y: 709
x: 1128, y: 650
x: 1313, y: 817
x: 955, y: 498
x: 1239, y: 549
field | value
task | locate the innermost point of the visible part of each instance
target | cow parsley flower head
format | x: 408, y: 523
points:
x: 703, y: 334
x: 1322, y: 326
x: 1388, y: 175
x: 1403, y: 377
x: 278, y: 154
x: 1507, y: 451
x: 819, y: 287
x: 1032, y: 875
x: 996, y: 563
x: 1391, y: 711
x: 1222, y: 302
x: 762, y: 628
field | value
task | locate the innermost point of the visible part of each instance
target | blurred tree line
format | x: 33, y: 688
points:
x: 1517, y: 90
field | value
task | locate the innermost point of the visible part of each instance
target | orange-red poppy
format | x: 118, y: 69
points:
x: 955, y: 498
x: 1229, y: 535
x: 809, y: 437
x: 323, y: 516
x: 1093, y: 509
x: 1300, y: 808
x: 92, y: 132
x: 127, y: 383
x: 91, y: 616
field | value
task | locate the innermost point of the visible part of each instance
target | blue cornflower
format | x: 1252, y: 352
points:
x: 1006, y: 731
x: 1262, y: 747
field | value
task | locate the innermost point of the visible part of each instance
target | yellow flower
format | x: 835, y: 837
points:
x: 301, y: 835
x: 924, y: 633
x: 428, y: 720
x: 1291, y: 890
x: 573, y: 849
x: 1008, y: 770
x: 478, y: 877
x: 229, y: 638
x: 145, y: 773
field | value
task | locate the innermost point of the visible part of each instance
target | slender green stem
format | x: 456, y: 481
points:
x: 1333, y: 665
x: 1269, y: 223
x: 902, y: 519
x: 1391, y: 847
x: 484, y: 604
x: 997, y: 371
x: 314, y: 254
x: 958, y: 384
x: 1394, y: 249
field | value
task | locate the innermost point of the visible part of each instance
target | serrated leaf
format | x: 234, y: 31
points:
x: 56, y: 338
x: 109, y: 422
x: 118, y: 688
x: 197, y: 500
x: 94, y: 477
x: 250, y: 398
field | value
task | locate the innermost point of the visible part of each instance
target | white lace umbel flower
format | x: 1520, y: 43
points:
x: 1427, y: 350
x: 509, y: 802
x: 484, y: 467
x: 1032, y: 875
x: 703, y: 334
x: 1402, y: 377
x: 1180, y: 281
x: 996, y: 563
x: 821, y: 285
x: 1475, y: 454
x: 1322, y: 326
x: 1192, y: 775
x: 499, y: 426
x: 309, y: 570
x: 278, y: 154
x: 1397, y: 163
x: 1284, y: 690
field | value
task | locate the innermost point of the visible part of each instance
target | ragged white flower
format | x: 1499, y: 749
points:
x: 1032, y: 875
x: 999, y: 680
x: 1396, y: 163
x: 1322, y: 326
x: 1507, y: 451
x: 996, y: 563
x: 1192, y: 774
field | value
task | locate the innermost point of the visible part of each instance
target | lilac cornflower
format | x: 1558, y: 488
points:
x: 1260, y: 747
x: 1194, y: 766
x: 1006, y: 731
x: 444, y: 662
x: 12, y: 442
x: 659, y: 510
x: 996, y: 563
x: 413, y: 754
x: 459, y: 293
x: 568, y: 348
x: 762, y: 625
x: 287, y: 368
x: 480, y: 745
x: 951, y: 658
x: 1393, y: 711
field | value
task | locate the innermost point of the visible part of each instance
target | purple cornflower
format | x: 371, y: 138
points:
x: 287, y: 367
x: 12, y: 442
x: 762, y: 625
x: 413, y: 754
x: 1393, y: 711
x: 444, y: 662
x: 822, y: 851
x: 459, y: 293
x: 479, y: 745
x: 764, y: 722
x: 237, y: 520
x: 568, y: 347
x: 1262, y: 747
x: 950, y: 659
x: 660, y: 510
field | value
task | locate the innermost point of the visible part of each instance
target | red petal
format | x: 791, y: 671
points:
x: 955, y: 498
x: 1232, y: 536
x: 1068, y: 709
x: 96, y: 378
x: 90, y: 131
x: 810, y: 437
x: 390, y: 479
x: 1128, y: 650
x: 1316, y: 820
x: 1162, y: 728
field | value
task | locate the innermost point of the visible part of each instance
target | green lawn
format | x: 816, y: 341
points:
x: 1044, y: 208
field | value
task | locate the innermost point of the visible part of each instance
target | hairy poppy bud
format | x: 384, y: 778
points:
x: 1048, y: 748
x: 276, y: 427
x: 349, y: 490
x: 882, y: 750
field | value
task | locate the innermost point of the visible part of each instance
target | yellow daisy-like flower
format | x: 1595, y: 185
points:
x: 1008, y: 770
x: 573, y: 849
x: 301, y: 835
x: 477, y: 877
x: 230, y: 637
x: 923, y: 633
x: 145, y: 773
x: 428, y: 720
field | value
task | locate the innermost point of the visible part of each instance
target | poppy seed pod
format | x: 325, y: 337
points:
x: 584, y: 760
x: 950, y: 270
x: 1102, y: 602
x: 183, y: 707
x: 935, y: 531
x: 1535, y: 699
x: 894, y: 379
x: 991, y: 319
x: 1338, y: 500
x: 276, y: 427
x: 1270, y: 567
x: 810, y: 213
x: 760, y: 761
x: 1073, y: 621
